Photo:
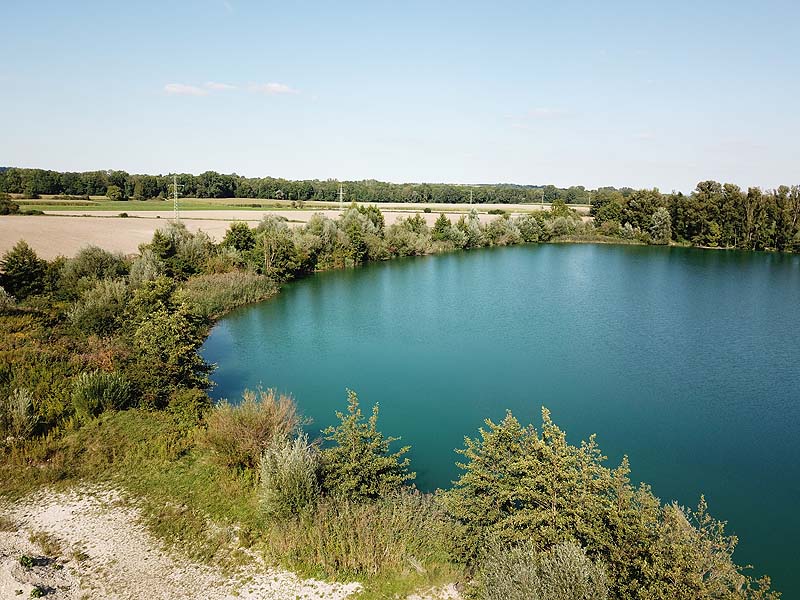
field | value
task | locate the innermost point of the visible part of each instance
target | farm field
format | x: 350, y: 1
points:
x: 65, y: 232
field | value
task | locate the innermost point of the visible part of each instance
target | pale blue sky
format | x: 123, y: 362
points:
x: 570, y: 93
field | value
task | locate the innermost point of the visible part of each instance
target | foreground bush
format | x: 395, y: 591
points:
x: 521, y: 573
x: 97, y: 392
x: 238, y: 434
x: 359, y: 466
x: 17, y: 418
x: 521, y: 486
x: 288, y: 483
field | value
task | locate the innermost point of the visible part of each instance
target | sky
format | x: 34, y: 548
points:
x: 640, y: 94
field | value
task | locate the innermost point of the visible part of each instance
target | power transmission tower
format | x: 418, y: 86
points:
x: 470, y: 196
x: 175, y: 187
x: 341, y: 198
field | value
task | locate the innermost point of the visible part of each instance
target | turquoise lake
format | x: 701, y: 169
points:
x: 686, y: 360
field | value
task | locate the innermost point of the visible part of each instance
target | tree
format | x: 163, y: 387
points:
x: 239, y: 236
x: 114, y: 192
x: 166, y: 343
x: 7, y: 206
x: 442, y: 229
x: 359, y: 466
x: 23, y: 272
x: 661, y: 227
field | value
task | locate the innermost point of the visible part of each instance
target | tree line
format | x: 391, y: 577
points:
x: 119, y: 185
x: 714, y: 215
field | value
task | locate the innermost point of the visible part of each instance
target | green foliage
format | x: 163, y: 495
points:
x: 661, y: 227
x: 100, y: 309
x: 523, y: 487
x: 98, y: 391
x: 89, y: 266
x: 562, y: 572
x: 213, y: 295
x: 238, y: 434
x: 17, y: 417
x: 189, y: 406
x: 22, y: 272
x: 341, y: 538
x: 288, y: 482
x: 239, y: 236
x: 166, y: 345
x: 359, y: 465
x: 7, y: 206
x: 114, y: 192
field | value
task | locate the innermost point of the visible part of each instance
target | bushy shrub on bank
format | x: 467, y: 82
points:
x: 288, y: 472
x: 239, y: 434
x: 93, y: 393
x: 562, y: 572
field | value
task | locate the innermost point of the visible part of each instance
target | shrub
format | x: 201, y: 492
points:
x: 239, y: 236
x: 6, y: 300
x: 98, y: 391
x: 427, y: 209
x: 7, y: 206
x: 288, y: 477
x: 166, y: 344
x: 238, y: 434
x: 101, y: 308
x: 147, y: 267
x: 22, y: 271
x: 17, y: 418
x: 496, y: 211
x: 189, y: 406
x: 88, y: 266
x: 359, y: 466
x: 521, y: 573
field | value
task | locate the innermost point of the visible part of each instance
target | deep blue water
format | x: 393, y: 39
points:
x: 686, y: 360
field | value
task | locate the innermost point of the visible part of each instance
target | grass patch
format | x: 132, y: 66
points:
x: 48, y: 544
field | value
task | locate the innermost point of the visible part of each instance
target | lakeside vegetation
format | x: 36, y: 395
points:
x: 717, y: 215
x: 100, y: 380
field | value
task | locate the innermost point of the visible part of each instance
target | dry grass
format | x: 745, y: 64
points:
x: 238, y: 434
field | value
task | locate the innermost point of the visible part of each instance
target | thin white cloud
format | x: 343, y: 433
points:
x: 272, y: 89
x: 228, y: 6
x: 181, y: 89
x: 547, y: 113
x: 219, y: 87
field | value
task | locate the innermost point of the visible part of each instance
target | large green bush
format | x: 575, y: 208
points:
x: 101, y: 308
x: 89, y: 266
x: 359, y: 466
x: 288, y: 483
x: 98, y: 391
x: 22, y: 272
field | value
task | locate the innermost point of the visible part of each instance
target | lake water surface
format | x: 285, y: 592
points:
x: 686, y: 360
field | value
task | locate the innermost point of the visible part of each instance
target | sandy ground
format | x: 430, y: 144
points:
x: 66, y: 232
x: 104, y: 552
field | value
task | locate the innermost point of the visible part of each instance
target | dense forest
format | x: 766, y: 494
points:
x: 101, y: 381
x: 210, y: 184
x: 713, y: 215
